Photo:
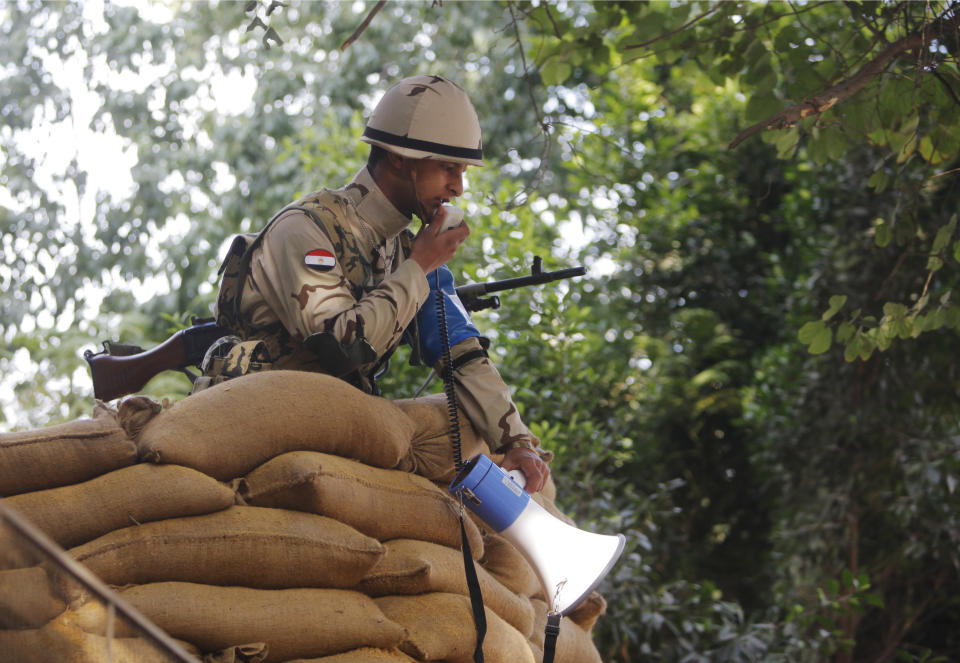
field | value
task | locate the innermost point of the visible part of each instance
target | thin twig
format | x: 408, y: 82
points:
x: 363, y: 26
x: 526, y: 71
x: 556, y: 28
x: 939, y: 77
x: 673, y: 32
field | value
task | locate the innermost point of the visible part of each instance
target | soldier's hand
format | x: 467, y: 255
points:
x: 527, y: 461
x: 432, y: 248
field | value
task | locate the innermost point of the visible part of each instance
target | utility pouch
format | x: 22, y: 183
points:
x: 229, y: 357
x: 340, y: 359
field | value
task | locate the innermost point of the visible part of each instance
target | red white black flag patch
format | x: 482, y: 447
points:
x: 320, y: 260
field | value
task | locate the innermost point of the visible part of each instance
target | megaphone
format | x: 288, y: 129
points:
x: 569, y: 561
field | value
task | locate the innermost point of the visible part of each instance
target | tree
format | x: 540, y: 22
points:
x: 779, y: 505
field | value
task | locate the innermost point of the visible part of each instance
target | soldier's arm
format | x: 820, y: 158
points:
x: 297, y: 272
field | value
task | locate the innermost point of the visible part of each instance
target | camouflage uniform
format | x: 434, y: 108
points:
x: 336, y: 262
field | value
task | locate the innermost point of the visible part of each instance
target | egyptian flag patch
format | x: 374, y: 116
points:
x: 320, y: 260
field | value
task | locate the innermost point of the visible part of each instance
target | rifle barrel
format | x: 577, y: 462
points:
x: 478, y: 289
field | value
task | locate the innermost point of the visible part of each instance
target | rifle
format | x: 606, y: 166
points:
x: 472, y: 294
x: 120, y: 369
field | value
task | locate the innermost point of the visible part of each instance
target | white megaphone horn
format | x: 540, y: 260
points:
x: 569, y: 561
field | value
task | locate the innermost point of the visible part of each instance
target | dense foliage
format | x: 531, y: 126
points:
x: 756, y: 382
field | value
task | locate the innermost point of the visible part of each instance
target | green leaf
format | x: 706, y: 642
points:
x: 845, y: 332
x: 884, y: 232
x: 785, y: 140
x: 894, y: 310
x: 817, y: 336
x: 761, y: 106
x: 555, y: 71
x: 810, y: 331
x: 943, y: 235
x: 836, y: 303
x: 847, y: 578
x: 852, y: 351
x: 818, y: 148
x: 836, y: 143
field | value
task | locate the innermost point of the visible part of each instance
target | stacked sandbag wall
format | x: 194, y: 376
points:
x: 284, y: 516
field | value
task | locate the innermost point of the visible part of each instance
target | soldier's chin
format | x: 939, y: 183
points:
x: 431, y: 212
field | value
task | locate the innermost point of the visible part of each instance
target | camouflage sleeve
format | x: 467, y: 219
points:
x: 297, y: 274
x: 486, y: 400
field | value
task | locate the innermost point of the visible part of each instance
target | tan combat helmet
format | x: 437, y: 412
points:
x: 427, y: 117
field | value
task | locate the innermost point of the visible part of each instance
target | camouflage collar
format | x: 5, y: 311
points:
x: 374, y: 208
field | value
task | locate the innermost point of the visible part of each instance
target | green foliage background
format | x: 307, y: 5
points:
x: 757, y: 381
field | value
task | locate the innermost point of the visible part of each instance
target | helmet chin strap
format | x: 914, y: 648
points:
x: 419, y: 208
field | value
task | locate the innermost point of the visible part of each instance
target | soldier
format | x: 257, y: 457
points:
x: 336, y: 280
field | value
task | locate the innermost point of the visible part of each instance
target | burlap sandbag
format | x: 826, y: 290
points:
x: 95, y: 618
x: 27, y: 599
x: 586, y: 614
x: 58, y: 642
x: 574, y: 645
x: 243, y: 545
x: 64, y: 454
x: 229, y: 429
x: 384, y: 504
x: 362, y: 655
x: 418, y: 567
x: 441, y: 628
x: 294, y: 623
x: 71, y: 515
x: 431, y: 448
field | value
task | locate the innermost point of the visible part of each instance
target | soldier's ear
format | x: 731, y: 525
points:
x: 396, y: 161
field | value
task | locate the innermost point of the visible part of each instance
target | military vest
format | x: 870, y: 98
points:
x: 261, y: 347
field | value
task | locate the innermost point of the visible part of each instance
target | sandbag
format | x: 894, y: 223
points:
x: 362, y: 655
x: 384, y: 504
x: 229, y: 429
x: 294, y: 623
x: 574, y: 645
x: 58, y: 642
x: 440, y: 628
x: 586, y: 614
x: 27, y: 599
x: 64, y: 454
x: 418, y: 567
x: 71, y: 515
x: 431, y: 447
x: 243, y: 545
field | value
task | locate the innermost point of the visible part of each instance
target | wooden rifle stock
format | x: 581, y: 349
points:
x: 120, y: 370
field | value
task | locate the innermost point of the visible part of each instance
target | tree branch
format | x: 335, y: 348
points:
x: 850, y: 86
x: 363, y: 26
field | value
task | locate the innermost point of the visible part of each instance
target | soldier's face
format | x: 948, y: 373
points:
x: 438, y: 182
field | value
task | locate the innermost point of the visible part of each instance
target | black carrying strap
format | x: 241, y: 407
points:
x: 476, y: 599
x: 552, y: 630
x: 473, y: 583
